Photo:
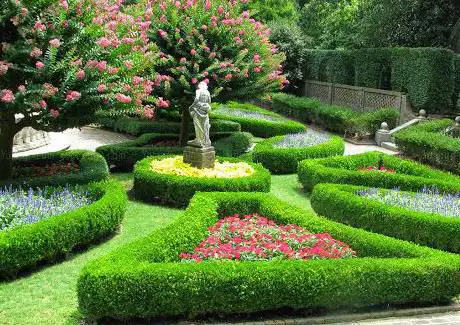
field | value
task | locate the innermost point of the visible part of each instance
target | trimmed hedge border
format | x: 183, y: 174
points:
x: 125, y: 155
x: 93, y: 168
x: 409, y: 176
x: 136, y: 127
x: 426, y: 142
x: 146, y: 279
x: 257, y: 127
x: 339, y: 119
x: 178, y: 190
x: 26, y: 245
x: 342, y: 204
x: 285, y: 161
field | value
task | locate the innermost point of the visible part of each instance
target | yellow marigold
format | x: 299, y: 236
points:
x: 176, y: 166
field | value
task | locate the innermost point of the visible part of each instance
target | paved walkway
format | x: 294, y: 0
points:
x: 90, y: 138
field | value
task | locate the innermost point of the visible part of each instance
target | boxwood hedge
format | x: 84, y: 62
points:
x: 124, y: 155
x: 285, y: 160
x: 258, y: 127
x: 146, y: 278
x: 428, y: 143
x: 26, y: 245
x: 341, y: 203
x: 409, y: 175
x: 92, y: 168
x: 135, y: 126
x: 178, y: 190
x: 339, y: 119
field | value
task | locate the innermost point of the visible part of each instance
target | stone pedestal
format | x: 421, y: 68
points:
x: 200, y: 157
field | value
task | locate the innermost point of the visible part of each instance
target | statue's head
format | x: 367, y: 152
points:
x: 203, y: 85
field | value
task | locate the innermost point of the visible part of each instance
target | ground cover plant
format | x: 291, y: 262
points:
x: 147, y: 279
x: 255, y: 120
x: 282, y: 154
x: 27, y: 206
x: 58, y: 168
x: 167, y: 180
x: 430, y: 143
x: 255, y: 238
x: 427, y: 217
x: 366, y: 170
x: 29, y: 241
x: 124, y: 155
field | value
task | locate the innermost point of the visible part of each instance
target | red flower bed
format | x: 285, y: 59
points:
x: 46, y: 170
x: 256, y: 238
x: 382, y: 169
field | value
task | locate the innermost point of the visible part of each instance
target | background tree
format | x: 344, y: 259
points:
x: 212, y: 41
x: 62, y: 60
x: 273, y: 10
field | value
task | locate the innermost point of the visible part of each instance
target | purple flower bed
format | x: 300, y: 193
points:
x: 248, y: 114
x: 302, y: 140
x: 21, y: 207
x: 427, y: 200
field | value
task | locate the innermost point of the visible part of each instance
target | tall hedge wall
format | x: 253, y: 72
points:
x: 430, y: 76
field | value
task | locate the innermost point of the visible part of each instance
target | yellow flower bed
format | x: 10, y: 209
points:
x: 176, y: 166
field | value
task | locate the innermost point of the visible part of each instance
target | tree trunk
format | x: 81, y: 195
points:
x: 6, y: 150
x: 185, y: 127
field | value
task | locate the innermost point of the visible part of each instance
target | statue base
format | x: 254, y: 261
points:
x: 200, y: 157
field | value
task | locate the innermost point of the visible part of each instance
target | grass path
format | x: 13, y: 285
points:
x: 48, y: 296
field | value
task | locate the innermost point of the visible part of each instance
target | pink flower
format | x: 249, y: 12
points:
x: 80, y: 75
x: 212, y: 55
x: 54, y: 113
x: 194, y: 80
x: 36, y: 52
x: 103, y: 42
x: 101, y: 88
x: 123, y: 98
x: 207, y: 5
x: 55, y: 43
x: 101, y: 65
x: 22, y: 89
x: 128, y: 64
x: 6, y: 96
x: 39, y: 65
x: 43, y: 104
x: 112, y: 70
x: 193, y: 52
x: 73, y: 96
x: 228, y: 76
x: 39, y: 26
x: 162, y: 103
x: 162, y: 33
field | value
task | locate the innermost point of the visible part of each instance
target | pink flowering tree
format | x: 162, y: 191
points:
x: 214, y: 41
x: 60, y: 60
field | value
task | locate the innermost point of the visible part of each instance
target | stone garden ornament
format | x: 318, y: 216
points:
x: 199, y: 152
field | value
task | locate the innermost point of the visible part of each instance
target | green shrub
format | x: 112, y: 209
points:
x: 426, y: 74
x: 334, y: 66
x: 428, y: 143
x: 373, y: 68
x: 26, y: 245
x: 409, y: 175
x: 93, y: 168
x: 136, y: 126
x: 342, y: 120
x: 285, y: 161
x: 146, y: 278
x: 341, y: 203
x: 124, y: 155
x: 258, y: 127
x: 178, y: 190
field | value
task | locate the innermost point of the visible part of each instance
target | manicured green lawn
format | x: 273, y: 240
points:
x: 48, y: 296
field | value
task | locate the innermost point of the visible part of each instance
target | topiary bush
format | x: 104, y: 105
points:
x: 146, y: 279
x: 92, y: 168
x: 285, y: 160
x: 429, y: 143
x: 124, y: 155
x: 255, y: 120
x: 342, y: 120
x: 170, y: 189
x: 26, y: 245
x: 341, y: 203
x: 407, y: 175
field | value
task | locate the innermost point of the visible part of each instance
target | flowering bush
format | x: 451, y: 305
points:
x: 176, y: 166
x: 211, y: 41
x: 20, y: 207
x: 427, y: 200
x: 254, y: 237
x: 62, y: 60
x: 302, y: 140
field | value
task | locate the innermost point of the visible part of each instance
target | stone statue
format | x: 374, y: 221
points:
x: 199, y: 111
